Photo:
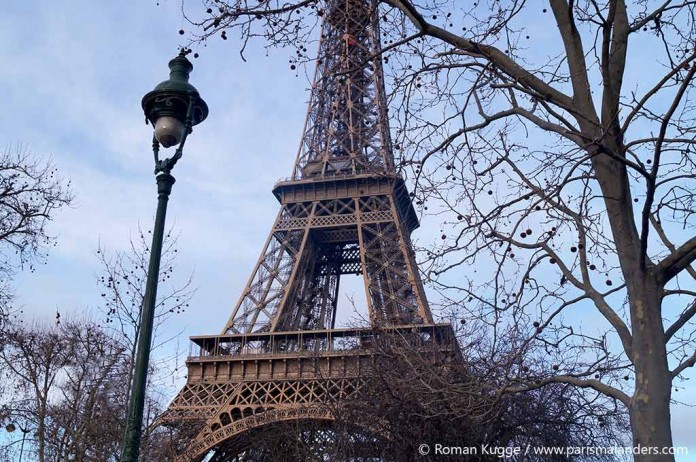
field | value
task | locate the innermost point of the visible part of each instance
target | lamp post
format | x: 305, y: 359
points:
x: 10, y: 427
x: 173, y: 108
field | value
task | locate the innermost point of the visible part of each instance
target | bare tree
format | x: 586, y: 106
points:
x: 69, y: 382
x: 30, y: 193
x: 87, y: 416
x: 427, y: 393
x: 414, y: 392
x: 32, y: 360
x: 123, y: 279
x: 560, y: 187
x: 65, y: 385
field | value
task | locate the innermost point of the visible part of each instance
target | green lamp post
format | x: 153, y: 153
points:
x: 173, y: 108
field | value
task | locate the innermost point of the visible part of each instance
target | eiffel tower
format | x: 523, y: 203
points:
x: 345, y: 210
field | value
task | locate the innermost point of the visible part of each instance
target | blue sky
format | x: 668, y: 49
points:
x: 74, y: 73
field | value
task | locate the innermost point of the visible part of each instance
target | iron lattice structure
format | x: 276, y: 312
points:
x: 347, y: 130
x: 345, y: 210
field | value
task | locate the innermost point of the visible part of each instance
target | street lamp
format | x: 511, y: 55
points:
x: 10, y: 427
x: 173, y: 107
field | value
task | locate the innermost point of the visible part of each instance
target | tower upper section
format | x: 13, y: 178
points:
x: 346, y: 131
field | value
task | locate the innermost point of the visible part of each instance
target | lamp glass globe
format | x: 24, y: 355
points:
x: 169, y: 131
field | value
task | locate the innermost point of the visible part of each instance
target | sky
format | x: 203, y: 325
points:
x: 73, y: 75
x: 77, y: 73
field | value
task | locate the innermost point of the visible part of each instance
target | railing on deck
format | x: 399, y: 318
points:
x: 316, y: 341
x: 334, y: 176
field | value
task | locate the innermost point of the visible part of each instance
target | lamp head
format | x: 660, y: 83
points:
x: 167, y: 106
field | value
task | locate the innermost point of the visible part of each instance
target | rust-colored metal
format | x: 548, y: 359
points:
x: 238, y: 383
x: 347, y: 130
x: 345, y: 210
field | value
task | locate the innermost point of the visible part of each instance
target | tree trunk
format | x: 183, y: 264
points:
x: 41, y: 435
x: 649, y: 408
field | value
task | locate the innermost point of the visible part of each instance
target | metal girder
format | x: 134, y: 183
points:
x: 345, y: 210
x: 347, y: 130
x: 240, y: 383
x: 295, y: 282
